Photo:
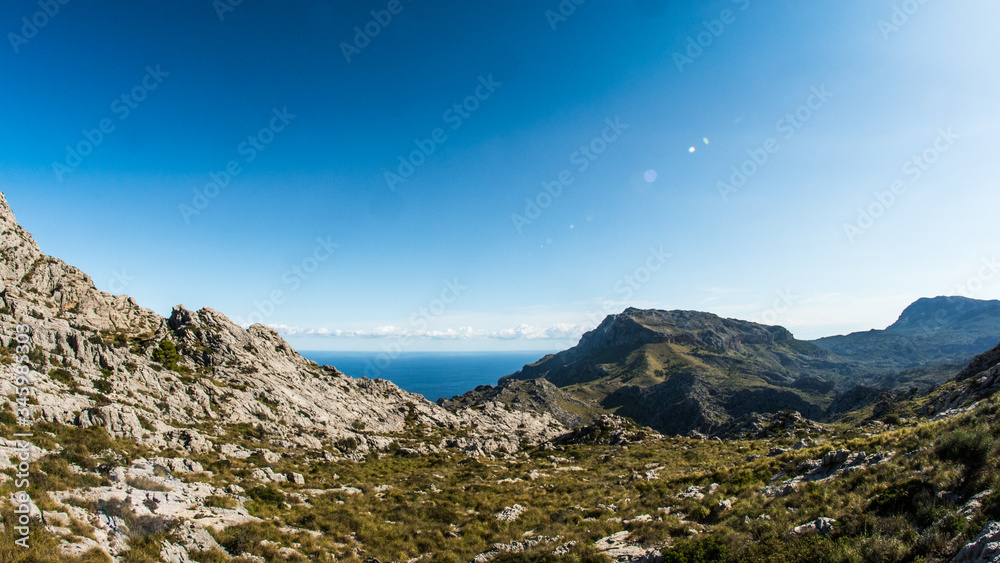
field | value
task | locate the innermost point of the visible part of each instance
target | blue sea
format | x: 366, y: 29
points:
x: 431, y: 374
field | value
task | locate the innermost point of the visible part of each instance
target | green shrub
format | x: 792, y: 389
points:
x: 696, y: 551
x: 219, y: 501
x: 269, y: 495
x: 348, y: 444
x: 968, y: 446
x: 63, y: 376
x: 147, y: 484
x: 899, y: 497
x: 167, y: 356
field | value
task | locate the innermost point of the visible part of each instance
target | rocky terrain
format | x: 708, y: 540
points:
x: 176, y: 382
x: 531, y: 395
x: 187, y: 383
x: 190, y: 439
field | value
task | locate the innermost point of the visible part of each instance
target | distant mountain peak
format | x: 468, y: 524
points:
x: 640, y: 326
x: 931, y: 314
x: 930, y: 331
x: 677, y: 371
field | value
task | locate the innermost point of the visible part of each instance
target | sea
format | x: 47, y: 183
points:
x: 431, y: 374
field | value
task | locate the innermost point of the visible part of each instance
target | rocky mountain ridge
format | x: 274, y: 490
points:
x: 680, y: 372
x: 683, y: 372
x: 194, y: 385
x: 176, y: 382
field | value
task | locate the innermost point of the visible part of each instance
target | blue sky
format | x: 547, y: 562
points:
x: 711, y: 157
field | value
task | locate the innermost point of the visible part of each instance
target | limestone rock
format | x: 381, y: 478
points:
x: 617, y: 547
x: 178, y: 464
x: 119, y: 420
x: 984, y: 549
x: 510, y: 513
x: 512, y: 547
x: 114, y: 373
x: 974, y: 504
x: 820, y: 526
x: 831, y: 465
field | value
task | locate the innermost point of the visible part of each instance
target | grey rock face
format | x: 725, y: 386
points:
x: 984, y: 549
x: 510, y: 513
x: 533, y: 395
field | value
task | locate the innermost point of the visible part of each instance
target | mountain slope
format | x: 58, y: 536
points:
x: 929, y: 332
x: 979, y: 380
x: 683, y: 371
x: 182, y: 382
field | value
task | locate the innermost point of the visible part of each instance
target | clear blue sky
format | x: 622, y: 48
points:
x: 450, y: 258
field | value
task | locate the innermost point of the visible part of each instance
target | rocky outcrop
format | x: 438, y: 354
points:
x: 609, y: 430
x: 499, y: 549
x: 618, y: 548
x: 979, y: 364
x: 968, y: 386
x: 101, y: 360
x: 148, y: 498
x: 819, y: 526
x: 786, y: 423
x: 833, y: 464
x: 510, y: 513
x: 984, y: 549
x: 119, y: 420
x: 533, y: 395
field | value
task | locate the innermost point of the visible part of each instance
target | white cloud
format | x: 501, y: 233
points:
x: 563, y: 331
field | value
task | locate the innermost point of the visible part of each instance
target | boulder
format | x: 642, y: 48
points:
x: 835, y: 457
x: 819, y: 526
x: 984, y: 549
x: 617, y: 547
x: 510, y: 513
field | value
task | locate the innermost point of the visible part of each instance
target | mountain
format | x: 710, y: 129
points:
x: 929, y: 332
x: 121, y: 399
x: 190, y: 439
x: 979, y: 380
x: 680, y: 372
x: 105, y: 360
x: 683, y: 371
